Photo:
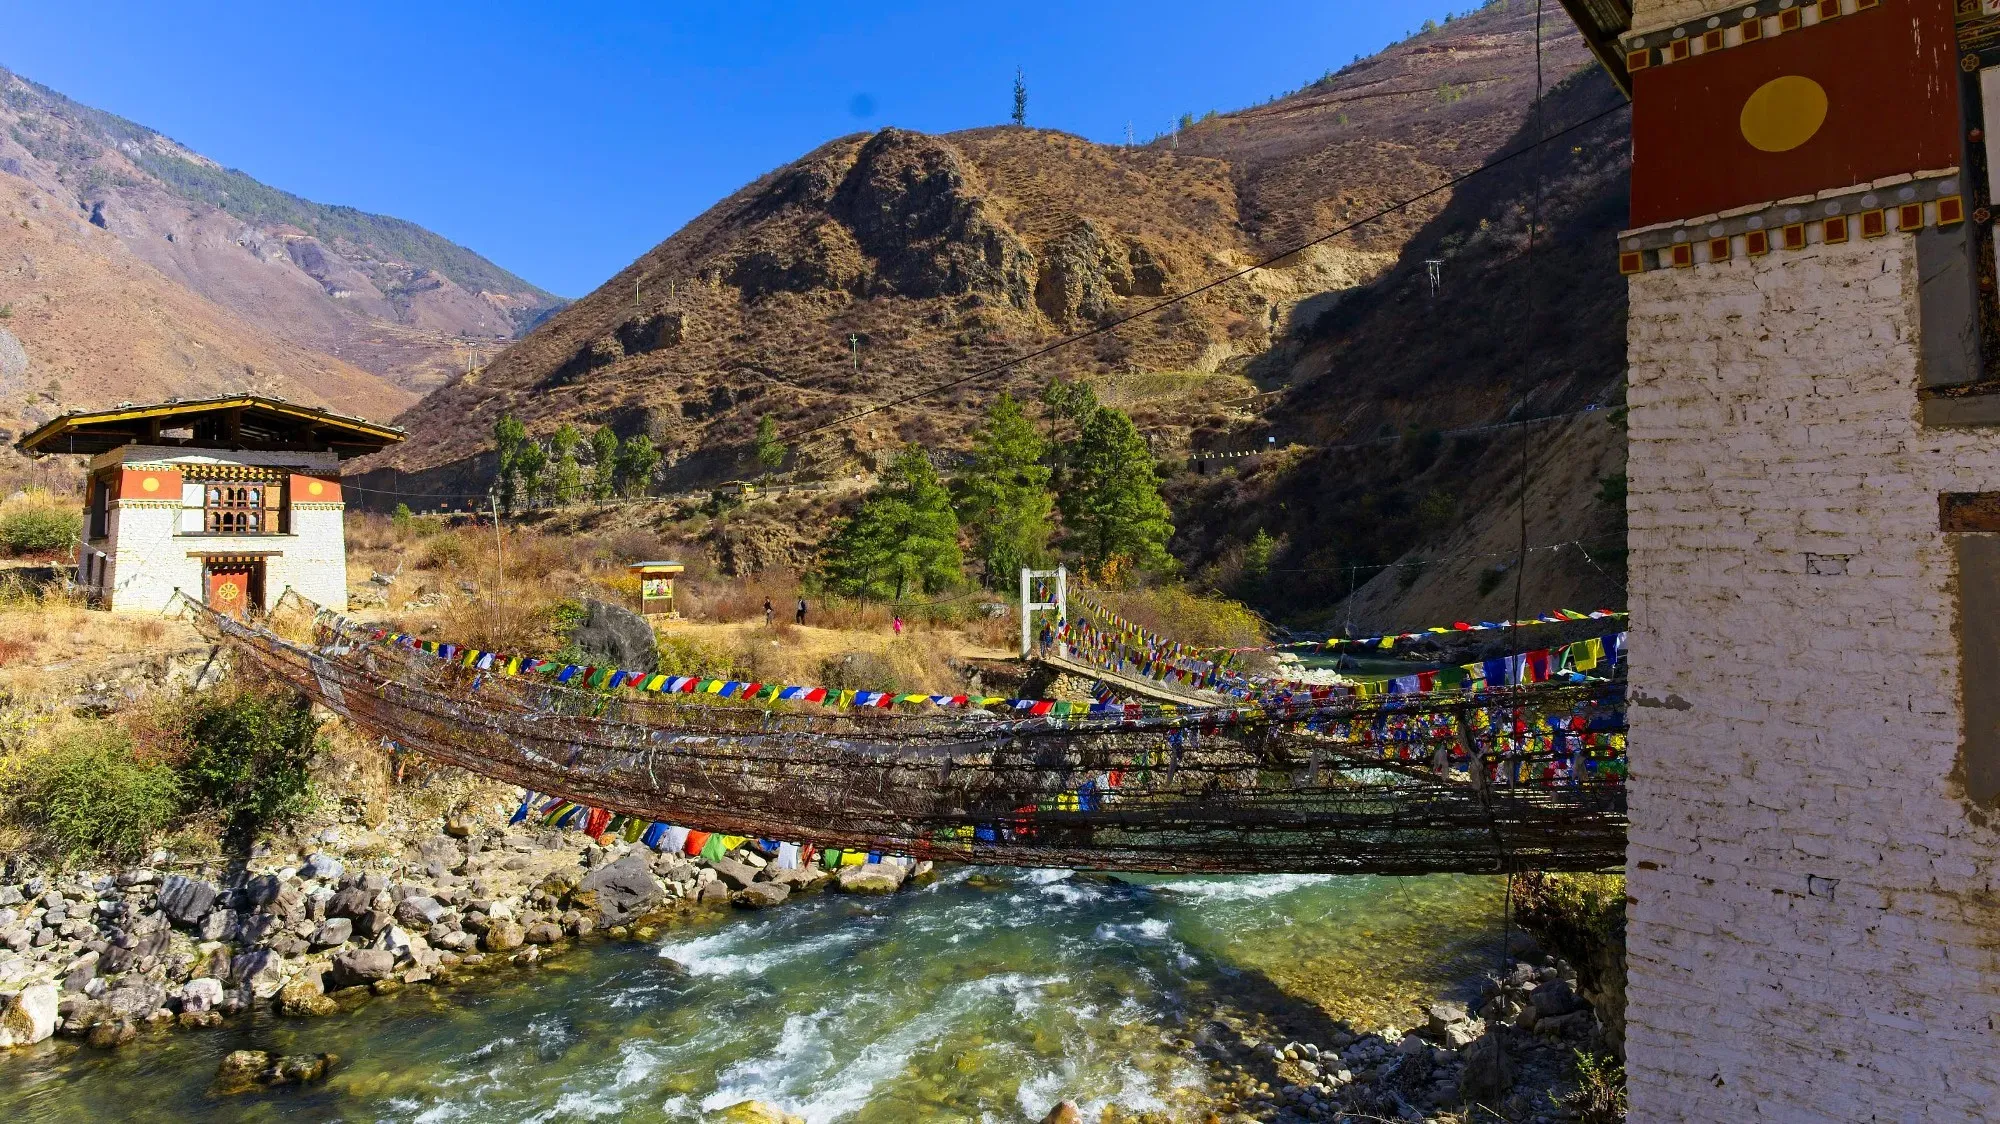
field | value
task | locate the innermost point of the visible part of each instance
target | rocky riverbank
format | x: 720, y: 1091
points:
x: 1510, y: 1059
x: 345, y: 914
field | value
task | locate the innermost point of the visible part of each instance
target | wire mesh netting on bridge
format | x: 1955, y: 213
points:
x: 1404, y: 786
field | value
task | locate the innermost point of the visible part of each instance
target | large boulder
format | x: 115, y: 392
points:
x: 186, y: 900
x: 616, y: 637
x: 201, y: 995
x: 870, y: 878
x: 333, y: 932
x: 354, y: 901
x: 737, y: 875
x: 305, y: 995
x: 621, y: 891
x: 1488, y: 1073
x: 504, y: 934
x: 363, y: 966
x: 1555, y: 998
x: 28, y: 1016
x: 760, y: 895
x: 420, y: 912
x: 261, y: 970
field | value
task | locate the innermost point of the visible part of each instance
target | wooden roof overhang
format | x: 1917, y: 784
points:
x: 1603, y: 22
x: 237, y: 422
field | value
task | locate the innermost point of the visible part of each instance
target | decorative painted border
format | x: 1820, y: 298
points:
x: 1900, y: 203
x: 318, y: 505
x: 1765, y: 19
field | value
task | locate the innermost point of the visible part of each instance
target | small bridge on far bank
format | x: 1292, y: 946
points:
x: 1511, y: 779
x: 1126, y: 684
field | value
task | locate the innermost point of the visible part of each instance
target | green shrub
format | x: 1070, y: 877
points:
x: 441, y: 552
x: 249, y: 758
x: 35, y: 523
x: 89, y: 798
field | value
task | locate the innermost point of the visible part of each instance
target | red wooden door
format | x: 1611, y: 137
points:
x: 229, y: 588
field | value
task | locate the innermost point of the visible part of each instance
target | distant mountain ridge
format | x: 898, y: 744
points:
x: 381, y: 293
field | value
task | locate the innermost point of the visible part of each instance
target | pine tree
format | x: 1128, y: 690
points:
x: 770, y: 450
x: 509, y: 437
x: 604, y: 460
x: 566, y: 481
x: 903, y: 538
x: 528, y: 464
x: 1110, y: 497
x: 637, y: 458
x: 1020, y: 98
x: 1004, y: 493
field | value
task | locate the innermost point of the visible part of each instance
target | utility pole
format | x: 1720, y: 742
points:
x: 1128, y: 134
x: 499, y: 559
x: 854, y: 344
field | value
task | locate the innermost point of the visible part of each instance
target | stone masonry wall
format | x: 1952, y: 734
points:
x: 1814, y: 931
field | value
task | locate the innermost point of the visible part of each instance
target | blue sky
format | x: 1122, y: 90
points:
x: 564, y: 139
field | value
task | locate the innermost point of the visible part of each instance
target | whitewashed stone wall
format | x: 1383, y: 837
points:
x: 1814, y: 925
x: 149, y: 551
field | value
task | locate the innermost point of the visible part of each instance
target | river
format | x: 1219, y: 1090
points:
x: 986, y: 995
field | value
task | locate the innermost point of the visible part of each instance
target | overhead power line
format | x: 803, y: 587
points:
x: 1189, y: 294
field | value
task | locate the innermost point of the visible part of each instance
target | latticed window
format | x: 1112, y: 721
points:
x: 235, y: 509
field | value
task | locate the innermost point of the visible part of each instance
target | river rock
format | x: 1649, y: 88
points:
x: 298, y: 1069
x: 185, y: 900
x: 756, y: 1112
x: 504, y: 934
x: 111, y: 1033
x: 219, y: 925
x: 332, y: 932
x: 419, y: 912
x: 1554, y: 998
x: 350, y: 901
x: 543, y: 932
x: 261, y: 890
x: 134, y: 998
x: 713, y: 893
x: 322, y: 866
x: 870, y: 878
x: 1488, y: 1073
x: 737, y: 875
x: 305, y: 995
x: 760, y: 895
x: 362, y: 966
x: 240, y: 1070
x: 1065, y: 1112
x: 621, y: 891
x: 28, y: 1016
x: 260, y: 970
x: 201, y: 995
x: 131, y: 949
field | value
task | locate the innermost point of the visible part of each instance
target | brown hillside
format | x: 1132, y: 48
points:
x: 377, y: 292
x: 89, y: 324
x: 948, y: 254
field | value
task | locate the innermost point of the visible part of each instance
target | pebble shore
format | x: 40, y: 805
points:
x: 103, y: 955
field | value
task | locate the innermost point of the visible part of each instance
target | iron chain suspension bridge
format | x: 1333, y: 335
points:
x: 1298, y: 779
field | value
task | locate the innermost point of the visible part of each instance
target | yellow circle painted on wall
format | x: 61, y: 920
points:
x: 315, y: 487
x: 1783, y: 113
x: 150, y: 484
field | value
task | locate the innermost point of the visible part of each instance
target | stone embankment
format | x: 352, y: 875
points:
x: 103, y: 956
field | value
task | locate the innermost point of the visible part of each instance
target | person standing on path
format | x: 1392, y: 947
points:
x: 769, y: 612
x: 897, y: 625
x: 802, y: 611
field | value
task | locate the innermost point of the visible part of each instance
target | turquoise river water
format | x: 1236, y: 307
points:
x: 987, y: 995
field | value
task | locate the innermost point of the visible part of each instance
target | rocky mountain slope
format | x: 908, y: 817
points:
x: 881, y: 265
x: 379, y: 293
x: 85, y: 323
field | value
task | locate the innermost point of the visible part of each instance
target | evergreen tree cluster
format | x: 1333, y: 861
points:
x: 531, y: 472
x: 1090, y: 467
